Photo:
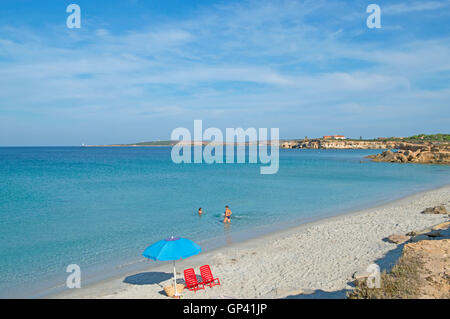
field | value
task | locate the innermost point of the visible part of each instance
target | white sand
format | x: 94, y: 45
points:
x: 320, y: 256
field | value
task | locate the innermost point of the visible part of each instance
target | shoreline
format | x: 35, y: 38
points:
x: 275, y: 251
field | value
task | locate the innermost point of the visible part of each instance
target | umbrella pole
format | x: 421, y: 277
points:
x: 175, y: 280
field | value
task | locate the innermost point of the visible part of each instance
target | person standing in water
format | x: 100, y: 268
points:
x: 227, y: 218
x: 200, y: 211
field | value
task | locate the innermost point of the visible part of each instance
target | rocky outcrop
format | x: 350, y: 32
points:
x: 436, y: 210
x: 290, y: 144
x: 441, y: 226
x: 434, y: 273
x: 422, y: 271
x: 414, y: 154
x: 423, y: 153
x: 337, y: 144
x: 440, y: 230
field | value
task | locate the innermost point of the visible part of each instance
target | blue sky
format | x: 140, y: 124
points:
x: 138, y: 69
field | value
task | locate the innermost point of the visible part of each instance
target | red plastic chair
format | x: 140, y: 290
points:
x: 207, y: 276
x: 191, y: 280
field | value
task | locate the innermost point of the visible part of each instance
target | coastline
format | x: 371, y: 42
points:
x: 314, y: 256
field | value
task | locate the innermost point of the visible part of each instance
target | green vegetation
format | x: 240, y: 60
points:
x: 403, y: 282
x: 419, y: 137
x: 153, y: 143
x: 431, y: 137
x: 423, y: 137
x: 157, y: 143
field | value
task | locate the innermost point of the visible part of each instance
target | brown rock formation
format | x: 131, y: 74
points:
x: 435, y: 210
x: 423, y: 270
x: 410, y: 153
x: 336, y: 144
x: 398, y: 239
x: 423, y: 153
x: 441, y: 226
x: 434, y: 274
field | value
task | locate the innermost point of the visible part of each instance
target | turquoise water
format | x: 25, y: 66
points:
x: 102, y: 206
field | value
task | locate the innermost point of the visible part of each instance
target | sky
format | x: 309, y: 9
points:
x: 138, y: 69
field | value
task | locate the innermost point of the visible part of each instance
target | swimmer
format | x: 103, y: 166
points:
x: 227, y: 218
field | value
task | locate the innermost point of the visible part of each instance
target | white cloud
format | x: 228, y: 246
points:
x: 230, y: 62
x: 101, y: 32
x: 408, y: 7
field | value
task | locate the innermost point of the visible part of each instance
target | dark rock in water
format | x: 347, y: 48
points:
x: 434, y: 234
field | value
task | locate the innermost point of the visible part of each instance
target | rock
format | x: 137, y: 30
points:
x: 419, y: 232
x: 432, y: 153
x: 290, y: 144
x: 402, y: 158
x: 417, y: 238
x: 415, y: 153
x: 441, y: 226
x: 435, y: 210
x: 388, y: 156
x: 398, y: 239
x: 361, y: 276
x: 425, y: 157
x: 425, y: 231
x: 434, y: 234
x: 434, y: 258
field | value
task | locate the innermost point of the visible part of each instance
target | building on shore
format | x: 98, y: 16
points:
x: 334, y: 137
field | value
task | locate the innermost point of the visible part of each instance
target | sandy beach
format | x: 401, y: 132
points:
x: 314, y: 260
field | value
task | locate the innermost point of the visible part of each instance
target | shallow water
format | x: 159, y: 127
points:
x: 102, y: 206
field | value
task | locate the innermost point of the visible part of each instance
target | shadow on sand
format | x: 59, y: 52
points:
x: 385, y: 263
x: 388, y: 261
x: 320, y: 294
x: 148, y: 278
x: 154, y: 278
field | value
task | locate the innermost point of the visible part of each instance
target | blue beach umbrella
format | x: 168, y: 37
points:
x: 172, y: 248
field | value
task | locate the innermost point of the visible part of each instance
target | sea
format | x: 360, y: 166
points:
x: 100, y: 207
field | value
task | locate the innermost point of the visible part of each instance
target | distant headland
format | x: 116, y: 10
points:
x: 151, y: 143
x: 327, y: 141
x: 422, y: 148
